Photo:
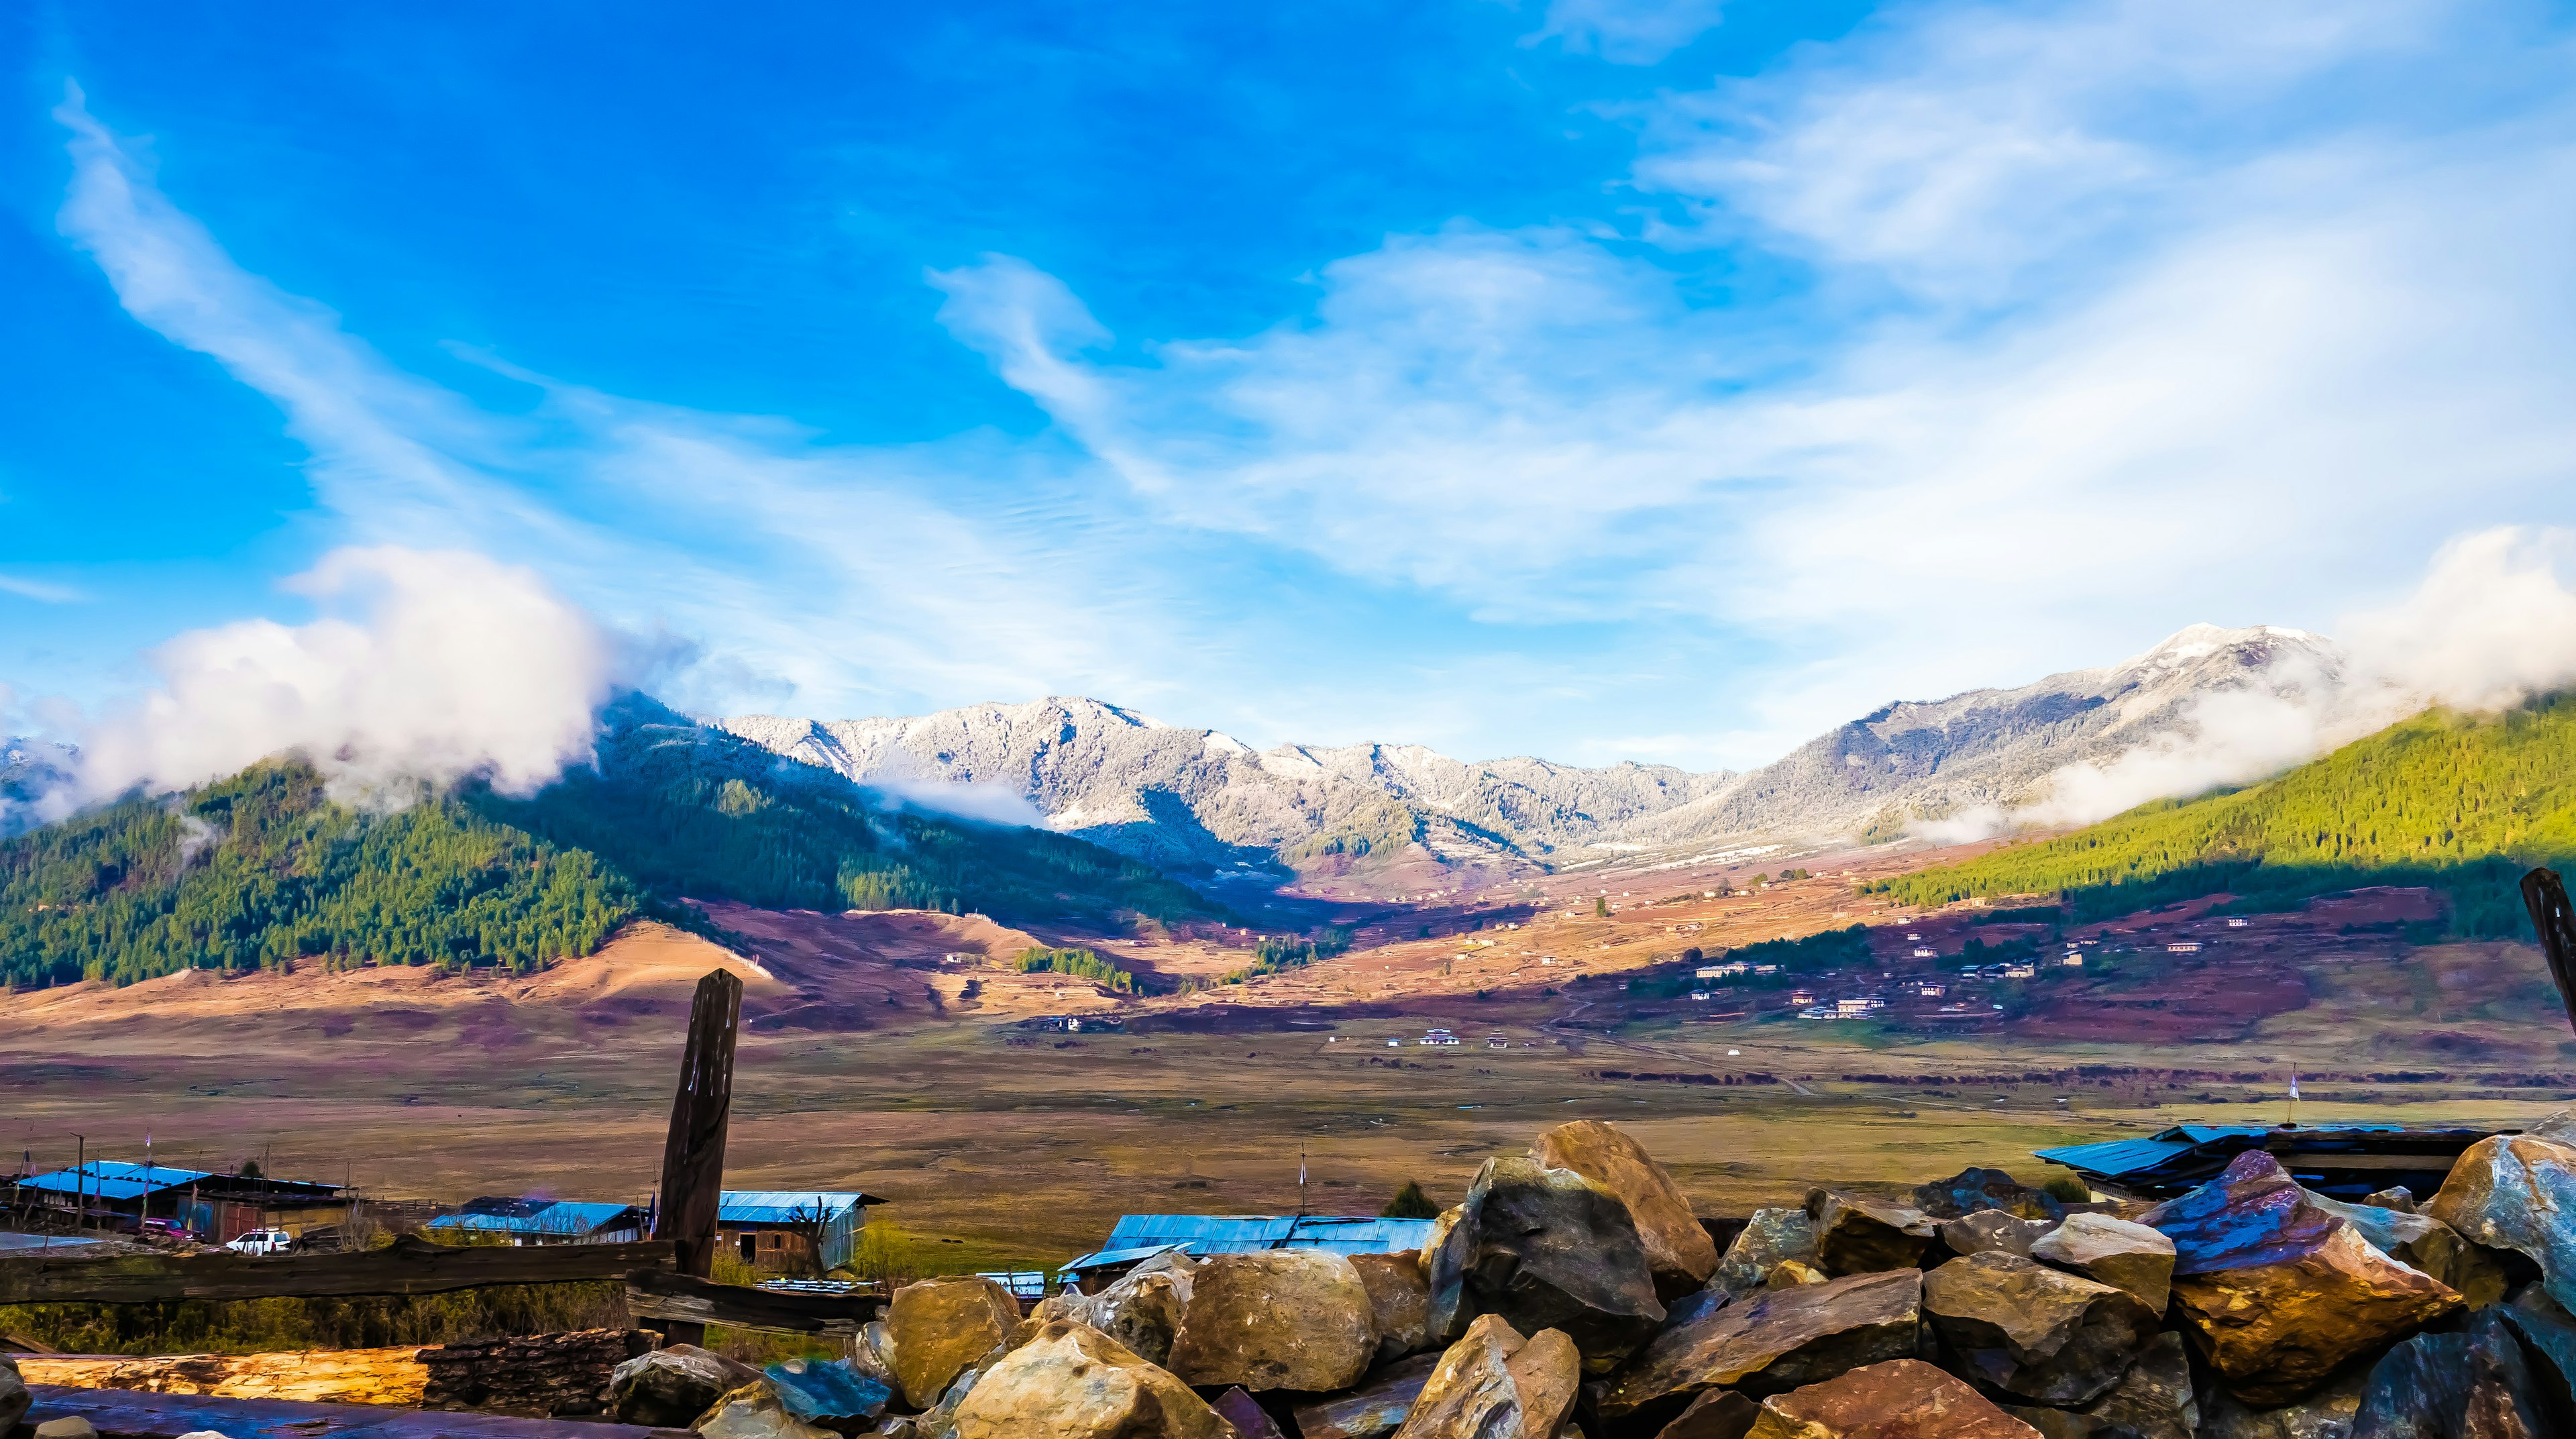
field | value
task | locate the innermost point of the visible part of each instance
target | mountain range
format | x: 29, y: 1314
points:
x: 1199, y: 798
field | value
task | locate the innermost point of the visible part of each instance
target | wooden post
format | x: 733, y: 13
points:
x: 2546, y: 897
x: 693, y: 1155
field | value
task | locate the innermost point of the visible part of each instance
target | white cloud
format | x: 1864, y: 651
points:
x: 39, y: 590
x: 424, y: 665
x: 1626, y: 32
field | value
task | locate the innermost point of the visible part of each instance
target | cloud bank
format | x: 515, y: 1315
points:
x: 423, y: 665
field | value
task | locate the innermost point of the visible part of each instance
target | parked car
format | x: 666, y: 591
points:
x: 263, y: 1241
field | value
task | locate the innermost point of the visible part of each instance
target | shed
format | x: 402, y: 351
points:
x: 217, y: 1205
x: 778, y: 1230
x: 2342, y: 1161
x: 1138, y: 1237
x: 546, y: 1221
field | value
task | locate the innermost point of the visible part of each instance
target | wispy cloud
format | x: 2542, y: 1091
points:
x: 39, y: 590
x: 1626, y: 32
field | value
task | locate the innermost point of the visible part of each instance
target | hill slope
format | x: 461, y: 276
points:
x: 2463, y: 804
x: 267, y: 868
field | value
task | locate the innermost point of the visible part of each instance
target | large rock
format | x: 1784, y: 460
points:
x: 1766, y: 1239
x: 2277, y: 1292
x: 1998, y: 1229
x: 669, y: 1388
x: 1678, y: 1250
x: 1142, y: 1310
x: 2034, y: 1331
x: 1771, y: 1342
x: 1547, y: 1249
x: 2153, y: 1401
x: 829, y: 1394
x: 1856, y: 1234
x: 1973, y: 1190
x: 753, y: 1412
x: 1717, y: 1414
x: 940, y: 1326
x: 2517, y: 1192
x: 1372, y: 1411
x: 2118, y: 1252
x: 1399, y: 1302
x: 1245, y: 1413
x: 2420, y: 1241
x: 1493, y: 1384
x: 2471, y: 1385
x: 1070, y: 1381
x: 1900, y: 1399
x: 14, y: 1397
x: 2326, y: 1413
x: 2550, y: 1334
x: 1277, y: 1319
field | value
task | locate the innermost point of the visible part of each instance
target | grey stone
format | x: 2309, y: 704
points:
x: 753, y: 1412
x: 2551, y: 1335
x: 669, y: 1388
x: 2422, y: 1242
x: 829, y: 1394
x: 69, y: 1427
x: 2327, y: 1413
x: 1373, y: 1410
x: 1546, y: 1249
x: 2152, y: 1401
x: 1717, y: 1414
x: 1678, y: 1251
x: 2398, y: 1198
x: 1996, y: 1229
x: 2034, y: 1331
x: 1070, y: 1381
x: 14, y: 1397
x: 1276, y: 1319
x: 2470, y: 1385
x: 2517, y: 1192
x: 2115, y: 1251
x: 1494, y: 1384
x: 1142, y: 1310
x: 1767, y: 1238
x: 1776, y: 1340
x: 1856, y: 1234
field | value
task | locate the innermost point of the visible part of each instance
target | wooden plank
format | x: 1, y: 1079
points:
x: 410, y: 1266
x: 693, y: 1152
x: 2551, y: 917
x: 686, y: 1299
x: 326, y: 1376
x: 166, y: 1416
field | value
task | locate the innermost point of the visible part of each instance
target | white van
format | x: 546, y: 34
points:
x: 263, y: 1241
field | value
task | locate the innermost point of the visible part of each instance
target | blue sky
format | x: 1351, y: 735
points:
x: 1589, y: 379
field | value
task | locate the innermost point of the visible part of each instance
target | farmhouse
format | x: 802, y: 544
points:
x: 1139, y: 1237
x: 222, y: 1207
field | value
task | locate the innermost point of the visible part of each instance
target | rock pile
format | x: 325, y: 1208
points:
x: 1573, y: 1295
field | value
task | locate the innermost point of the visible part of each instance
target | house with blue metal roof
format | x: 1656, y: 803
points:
x: 2343, y: 1161
x: 775, y: 1231
x: 1138, y: 1237
x: 111, y: 1194
x: 507, y: 1219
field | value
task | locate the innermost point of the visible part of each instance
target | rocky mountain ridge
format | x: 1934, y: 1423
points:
x: 1199, y: 797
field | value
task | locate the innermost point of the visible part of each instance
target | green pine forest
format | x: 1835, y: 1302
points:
x: 268, y: 869
x: 2463, y: 804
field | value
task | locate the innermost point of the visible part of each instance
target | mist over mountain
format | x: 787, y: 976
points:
x: 1196, y: 796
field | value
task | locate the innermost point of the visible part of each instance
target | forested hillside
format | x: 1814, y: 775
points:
x: 2460, y: 803
x: 266, y: 868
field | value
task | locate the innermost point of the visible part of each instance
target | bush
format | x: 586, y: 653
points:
x: 2067, y: 1189
x: 1410, y: 1203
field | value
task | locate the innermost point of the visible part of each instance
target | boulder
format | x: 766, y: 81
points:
x: 2278, y: 1293
x: 941, y: 1420
x: 1142, y: 1310
x: 1770, y: 1236
x: 1493, y: 1384
x: 2396, y: 1197
x: 1679, y: 1252
x: 1859, y: 1235
x: 2420, y: 1241
x: 868, y: 1353
x: 2118, y: 1252
x: 1773, y: 1341
x: 2558, y: 1126
x: 1375, y: 1409
x: 1547, y: 1249
x: 1993, y: 1229
x: 940, y: 1326
x: 1070, y: 1381
x: 1790, y: 1273
x: 1899, y: 1399
x: 1717, y: 1414
x: 2325, y: 1414
x: 753, y: 1412
x: 1438, y: 1236
x: 1973, y: 1191
x: 2153, y: 1401
x: 14, y: 1397
x: 1276, y: 1319
x: 2550, y: 1335
x: 1245, y: 1413
x: 2517, y: 1192
x: 2470, y: 1385
x: 829, y: 1394
x: 70, y: 1426
x: 1399, y: 1302
x: 2034, y: 1331
x: 670, y: 1388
